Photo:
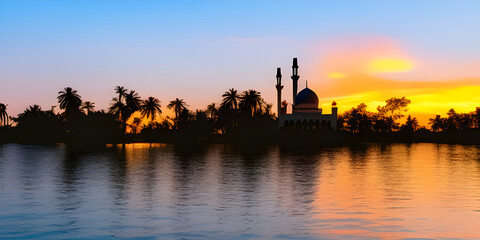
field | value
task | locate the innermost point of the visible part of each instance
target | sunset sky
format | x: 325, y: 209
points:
x: 349, y: 51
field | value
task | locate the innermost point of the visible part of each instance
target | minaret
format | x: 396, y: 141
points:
x: 295, y: 78
x: 279, y: 92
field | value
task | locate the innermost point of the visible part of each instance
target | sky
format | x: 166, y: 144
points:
x: 349, y: 51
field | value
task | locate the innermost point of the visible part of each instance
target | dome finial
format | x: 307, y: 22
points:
x: 306, y: 83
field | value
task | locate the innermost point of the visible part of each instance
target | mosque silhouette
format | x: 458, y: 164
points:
x: 305, y: 113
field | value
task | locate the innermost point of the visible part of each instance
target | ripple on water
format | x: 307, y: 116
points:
x: 396, y: 191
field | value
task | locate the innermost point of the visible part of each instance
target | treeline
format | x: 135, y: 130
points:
x: 238, y: 115
x: 456, y: 121
x: 387, y: 119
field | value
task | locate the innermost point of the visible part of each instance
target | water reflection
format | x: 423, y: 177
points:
x: 159, y: 191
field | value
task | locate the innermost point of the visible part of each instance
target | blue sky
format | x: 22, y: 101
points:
x: 198, y: 49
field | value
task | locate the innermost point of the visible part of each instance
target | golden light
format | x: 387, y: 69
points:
x: 336, y: 75
x: 389, y: 65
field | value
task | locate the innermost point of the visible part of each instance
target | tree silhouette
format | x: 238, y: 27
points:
x: 121, y: 91
x: 230, y: 99
x: 251, y: 102
x: 358, y: 120
x: 178, y: 106
x: 88, y: 106
x: 438, y: 123
x: 36, y: 125
x: 268, y: 109
x: 392, y: 111
x: 133, y: 101
x: 122, y: 110
x: 69, y: 100
x: 476, y: 117
x: 212, y: 110
x: 150, y: 108
x: 451, y: 121
x: 411, y: 125
x: 3, y: 114
x: 117, y: 108
x: 465, y: 121
x: 395, y: 107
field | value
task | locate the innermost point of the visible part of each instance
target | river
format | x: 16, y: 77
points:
x: 163, y: 191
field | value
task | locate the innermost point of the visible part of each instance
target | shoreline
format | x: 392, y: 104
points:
x: 280, y: 137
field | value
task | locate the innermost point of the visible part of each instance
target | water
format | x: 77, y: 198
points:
x: 159, y: 191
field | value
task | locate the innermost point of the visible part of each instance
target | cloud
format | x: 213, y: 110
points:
x: 389, y: 65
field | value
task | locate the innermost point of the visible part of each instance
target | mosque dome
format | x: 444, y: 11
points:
x: 306, y: 96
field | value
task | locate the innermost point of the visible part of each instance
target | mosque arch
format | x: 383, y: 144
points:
x: 304, y: 124
x: 310, y: 124
x: 298, y: 124
x: 323, y: 124
x: 291, y: 124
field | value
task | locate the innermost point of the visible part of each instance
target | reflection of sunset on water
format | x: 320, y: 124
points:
x: 427, y: 191
x: 391, y: 191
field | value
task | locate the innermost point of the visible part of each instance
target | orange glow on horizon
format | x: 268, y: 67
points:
x: 426, y: 101
x: 370, y: 70
x: 336, y: 75
x: 389, y: 65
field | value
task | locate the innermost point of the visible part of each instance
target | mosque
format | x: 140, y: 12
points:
x: 305, y: 113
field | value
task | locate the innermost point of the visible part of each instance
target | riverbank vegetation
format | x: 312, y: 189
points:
x: 240, y: 117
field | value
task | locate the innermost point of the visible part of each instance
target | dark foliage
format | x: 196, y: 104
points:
x: 244, y: 118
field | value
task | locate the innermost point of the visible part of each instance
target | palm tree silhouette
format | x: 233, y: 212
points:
x: 212, y: 110
x: 230, y: 99
x: 133, y: 101
x: 251, y: 102
x: 88, y: 106
x: 437, y: 123
x: 34, y: 110
x: 69, y: 100
x: 3, y: 114
x: 178, y: 106
x: 121, y: 91
x: 150, y: 108
x: 122, y: 111
x: 117, y: 108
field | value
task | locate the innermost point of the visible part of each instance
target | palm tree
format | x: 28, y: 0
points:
x: 411, y: 125
x: 32, y: 110
x: 230, y: 99
x: 69, y: 100
x: 251, y: 102
x: 268, y: 109
x: 88, y: 106
x: 133, y: 101
x: 178, y: 106
x: 3, y: 114
x: 437, y: 123
x: 118, y: 109
x: 150, y: 108
x: 212, y: 110
x: 121, y: 91
x: 122, y: 111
